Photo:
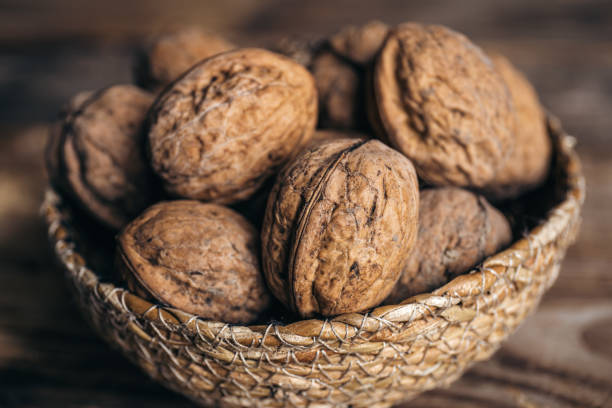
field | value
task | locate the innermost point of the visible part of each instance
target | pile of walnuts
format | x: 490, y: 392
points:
x: 333, y: 175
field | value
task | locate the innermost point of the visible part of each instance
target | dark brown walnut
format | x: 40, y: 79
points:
x: 172, y: 54
x: 197, y: 257
x: 228, y: 124
x: 441, y: 102
x: 339, y: 225
x: 528, y: 165
x: 301, y: 49
x: 339, y: 87
x: 360, y: 44
x: 100, y: 155
x: 457, y: 230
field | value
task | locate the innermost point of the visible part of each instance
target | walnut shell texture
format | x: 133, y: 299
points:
x: 442, y: 103
x: 198, y: 257
x: 457, y: 230
x: 360, y: 44
x: 339, y: 89
x: 172, y: 54
x: 101, y: 157
x: 228, y: 124
x: 339, y: 225
x: 528, y: 165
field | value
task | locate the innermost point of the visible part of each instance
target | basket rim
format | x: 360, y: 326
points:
x: 444, y: 299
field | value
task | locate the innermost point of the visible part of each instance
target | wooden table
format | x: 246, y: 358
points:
x: 561, y: 356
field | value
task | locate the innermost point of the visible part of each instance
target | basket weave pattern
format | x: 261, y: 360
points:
x: 375, y: 359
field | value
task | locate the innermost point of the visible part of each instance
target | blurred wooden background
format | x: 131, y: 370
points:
x: 49, y: 50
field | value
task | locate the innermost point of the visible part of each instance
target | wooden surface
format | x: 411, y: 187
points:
x: 560, y: 357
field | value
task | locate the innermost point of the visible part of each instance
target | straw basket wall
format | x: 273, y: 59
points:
x: 375, y: 359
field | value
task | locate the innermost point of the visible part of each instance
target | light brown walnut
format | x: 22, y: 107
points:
x: 172, y: 54
x: 360, y: 44
x: 197, y: 257
x: 229, y: 123
x: 339, y: 86
x: 339, y: 226
x: 457, y: 230
x: 98, y: 155
x: 441, y: 102
x: 528, y: 165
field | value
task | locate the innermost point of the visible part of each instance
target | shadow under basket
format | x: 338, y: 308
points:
x: 375, y: 359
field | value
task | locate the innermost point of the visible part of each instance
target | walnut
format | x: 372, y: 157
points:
x: 441, y: 102
x: 457, y: 230
x: 172, y: 54
x: 223, y: 128
x: 360, y: 44
x: 528, y: 165
x: 301, y: 49
x: 100, y: 160
x: 200, y: 258
x: 339, y: 225
x: 339, y: 85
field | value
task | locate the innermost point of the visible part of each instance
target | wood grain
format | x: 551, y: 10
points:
x: 560, y: 357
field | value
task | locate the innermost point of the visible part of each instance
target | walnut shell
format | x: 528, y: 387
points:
x: 224, y: 127
x: 172, y: 54
x: 101, y: 162
x: 200, y: 258
x: 339, y: 86
x: 457, y: 230
x: 441, y: 102
x: 360, y: 44
x: 339, y: 225
x: 529, y: 163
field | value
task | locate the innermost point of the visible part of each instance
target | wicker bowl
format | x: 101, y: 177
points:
x: 375, y: 359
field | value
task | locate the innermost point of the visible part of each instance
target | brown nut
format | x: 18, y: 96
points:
x: 100, y: 161
x: 200, y: 258
x: 223, y: 128
x: 360, y: 44
x: 441, y: 103
x: 339, y: 225
x: 528, y: 165
x: 172, y: 54
x: 457, y: 230
x: 339, y: 87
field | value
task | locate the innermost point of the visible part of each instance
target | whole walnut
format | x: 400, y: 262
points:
x: 198, y: 257
x: 441, y: 102
x: 528, y: 165
x: 172, y: 54
x: 457, y: 230
x: 228, y: 124
x: 100, y: 160
x: 339, y: 225
x: 360, y: 44
x: 340, y: 90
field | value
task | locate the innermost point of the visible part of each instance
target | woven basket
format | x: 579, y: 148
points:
x: 375, y: 359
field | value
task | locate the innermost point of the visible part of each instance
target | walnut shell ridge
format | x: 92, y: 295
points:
x: 198, y: 257
x: 339, y: 225
x: 219, y: 131
x: 99, y: 157
x: 457, y: 230
x: 440, y: 101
